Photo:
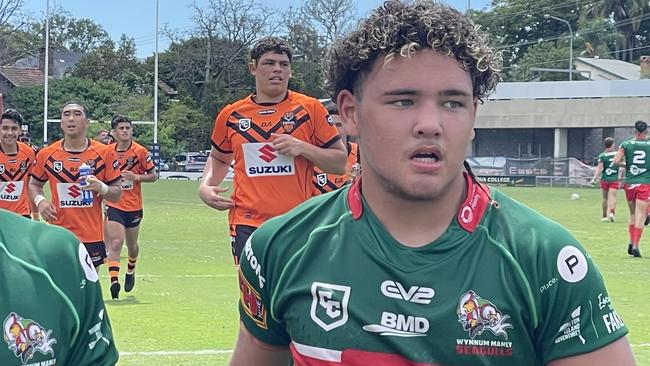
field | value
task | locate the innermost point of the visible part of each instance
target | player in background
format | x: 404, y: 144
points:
x: 324, y: 182
x: 634, y: 155
x: 59, y: 165
x: 123, y: 218
x: 104, y: 137
x: 51, y: 305
x: 609, y: 183
x: 16, y: 162
x: 416, y: 262
x: 275, y: 137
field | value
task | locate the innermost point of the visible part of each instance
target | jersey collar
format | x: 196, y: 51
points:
x: 469, y: 215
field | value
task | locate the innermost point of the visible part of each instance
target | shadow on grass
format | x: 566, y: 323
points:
x: 129, y: 300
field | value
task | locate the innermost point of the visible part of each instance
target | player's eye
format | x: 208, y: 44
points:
x: 402, y: 103
x: 452, y: 104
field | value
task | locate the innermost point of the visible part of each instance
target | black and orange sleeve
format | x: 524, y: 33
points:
x: 219, y: 139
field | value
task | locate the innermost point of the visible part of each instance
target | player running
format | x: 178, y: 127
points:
x: 324, y: 182
x: 123, y: 218
x: 51, y: 305
x: 16, y: 162
x: 59, y: 165
x: 608, y: 172
x: 276, y: 137
x: 634, y: 152
x: 417, y: 263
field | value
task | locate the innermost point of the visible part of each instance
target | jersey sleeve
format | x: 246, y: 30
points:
x: 325, y: 134
x: 94, y: 344
x: 38, y: 171
x: 255, y: 292
x: 219, y: 139
x: 113, y: 173
x: 577, y: 316
x: 146, y: 160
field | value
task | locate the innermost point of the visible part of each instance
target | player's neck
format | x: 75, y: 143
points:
x: 414, y: 223
x: 75, y: 144
x: 262, y: 98
x: 123, y: 145
x: 9, y: 149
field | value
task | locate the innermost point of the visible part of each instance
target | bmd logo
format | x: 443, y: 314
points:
x: 74, y: 191
x: 267, y: 153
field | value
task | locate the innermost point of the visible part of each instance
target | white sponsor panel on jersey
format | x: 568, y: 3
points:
x: 399, y: 325
x: 416, y: 294
x: 10, y: 191
x: 70, y: 195
x: 261, y: 159
x: 87, y: 264
x: 329, y: 306
x: 127, y: 185
x: 572, y: 264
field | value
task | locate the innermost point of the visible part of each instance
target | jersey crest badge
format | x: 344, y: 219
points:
x: 23, y: 165
x: 251, y: 302
x: 25, y: 337
x: 478, y: 315
x: 321, y: 178
x: 57, y: 166
x: 244, y: 124
x: 2, y: 168
x: 288, y: 122
x: 329, y: 306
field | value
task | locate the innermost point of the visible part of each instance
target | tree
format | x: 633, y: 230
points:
x: 632, y: 19
x: 11, y: 24
x: 333, y: 16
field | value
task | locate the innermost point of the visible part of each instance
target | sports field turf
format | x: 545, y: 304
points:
x: 183, y: 308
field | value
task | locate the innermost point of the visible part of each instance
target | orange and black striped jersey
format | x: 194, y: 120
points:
x: 266, y: 183
x: 61, y: 169
x: 137, y: 160
x: 14, y: 177
x: 324, y: 182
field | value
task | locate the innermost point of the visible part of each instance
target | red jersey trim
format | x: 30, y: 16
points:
x: 469, y: 215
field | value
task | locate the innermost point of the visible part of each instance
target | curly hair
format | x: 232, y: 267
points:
x: 117, y: 119
x: 399, y: 28
x: 270, y: 44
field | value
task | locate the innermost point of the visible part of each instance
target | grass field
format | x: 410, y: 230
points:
x: 183, y: 308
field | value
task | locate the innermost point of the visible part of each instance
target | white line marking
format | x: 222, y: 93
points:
x: 187, y: 204
x: 188, y: 276
x: 641, y: 345
x: 179, y: 353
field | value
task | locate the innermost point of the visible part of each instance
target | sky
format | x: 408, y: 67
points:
x: 137, y: 18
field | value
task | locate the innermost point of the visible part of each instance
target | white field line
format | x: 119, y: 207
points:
x: 187, y: 276
x: 228, y: 351
x: 179, y: 353
x: 184, y: 203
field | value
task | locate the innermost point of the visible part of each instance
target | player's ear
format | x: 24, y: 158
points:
x: 347, y: 105
x: 252, y: 66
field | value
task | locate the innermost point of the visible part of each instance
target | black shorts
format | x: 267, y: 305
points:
x: 97, y: 251
x: 128, y: 219
x: 237, y: 241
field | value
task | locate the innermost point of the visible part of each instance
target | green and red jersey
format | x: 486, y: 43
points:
x: 637, y: 161
x: 502, y: 286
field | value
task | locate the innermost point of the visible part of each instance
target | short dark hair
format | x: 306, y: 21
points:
x: 270, y: 44
x: 13, y: 115
x: 609, y: 141
x: 640, y: 126
x: 399, y: 29
x: 83, y: 107
x: 119, y: 119
x: 331, y: 107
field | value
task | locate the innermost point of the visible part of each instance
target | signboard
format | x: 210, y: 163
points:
x: 507, y: 180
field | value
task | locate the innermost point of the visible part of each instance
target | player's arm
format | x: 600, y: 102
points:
x: 37, y: 195
x: 150, y: 176
x: 111, y: 192
x: 599, y: 169
x: 331, y: 159
x: 250, y: 351
x: 617, y: 353
x: 32, y: 206
x: 214, y: 173
x: 618, y: 158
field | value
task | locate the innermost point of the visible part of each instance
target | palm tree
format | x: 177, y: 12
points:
x: 627, y: 15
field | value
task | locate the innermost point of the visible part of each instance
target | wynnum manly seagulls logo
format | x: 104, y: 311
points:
x: 25, y: 336
x: 478, y: 315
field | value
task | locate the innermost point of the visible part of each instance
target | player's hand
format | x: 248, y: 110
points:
x: 95, y: 185
x: 47, y: 210
x: 287, y: 144
x: 211, y: 197
x: 592, y: 182
x: 129, y: 175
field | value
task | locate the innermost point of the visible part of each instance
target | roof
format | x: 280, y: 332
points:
x: 22, y: 77
x: 618, y: 69
x: 61, y: 62
x: 168, y: 90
